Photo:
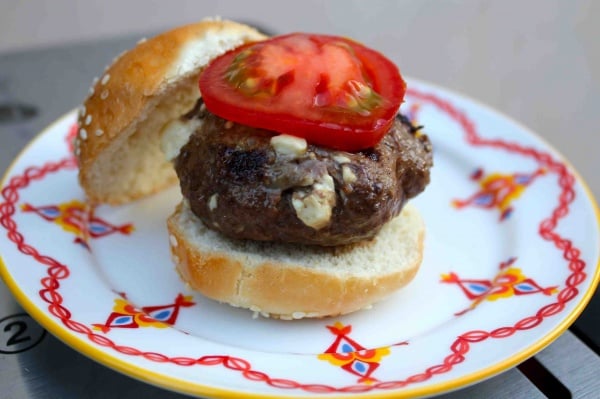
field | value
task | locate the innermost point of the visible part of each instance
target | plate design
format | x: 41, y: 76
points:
x: 125, y: 315
x: 76, y: 218
x: 508, y: 282
x: 498, y: 190
x: 353, y: 356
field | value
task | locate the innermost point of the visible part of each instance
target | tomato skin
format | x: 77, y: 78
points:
x: 332, y: 91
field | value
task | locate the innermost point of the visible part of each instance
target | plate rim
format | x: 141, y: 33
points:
x: 169, y: 382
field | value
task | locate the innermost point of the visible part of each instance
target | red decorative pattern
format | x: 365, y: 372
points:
x: 547, y: 227
x: 352, y: 357
x: 458, y: 350
x: 498, y: 190
x: 8, y: 206
x: 77, y: 217
x: 126, y: 315
x: 71, y: 136
x: 509, y: 281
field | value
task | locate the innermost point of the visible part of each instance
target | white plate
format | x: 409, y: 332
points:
x: 511, y: 260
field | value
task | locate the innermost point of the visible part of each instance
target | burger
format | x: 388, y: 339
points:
x: 295, y: 166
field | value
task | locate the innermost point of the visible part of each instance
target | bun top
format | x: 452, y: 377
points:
x: 145, y: 88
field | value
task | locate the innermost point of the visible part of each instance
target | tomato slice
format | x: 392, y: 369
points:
x: 330, y: 90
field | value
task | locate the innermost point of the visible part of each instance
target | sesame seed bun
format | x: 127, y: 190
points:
x: 288, y: 281
x: 120, y: 122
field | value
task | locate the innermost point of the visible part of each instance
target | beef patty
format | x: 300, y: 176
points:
x: 254, y: 184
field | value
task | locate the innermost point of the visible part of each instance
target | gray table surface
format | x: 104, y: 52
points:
x: 54, y: 80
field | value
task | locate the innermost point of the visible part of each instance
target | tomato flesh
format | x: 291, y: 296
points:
x: 330, y: 90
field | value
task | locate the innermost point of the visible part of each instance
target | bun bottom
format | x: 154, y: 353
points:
x: 289, y: 281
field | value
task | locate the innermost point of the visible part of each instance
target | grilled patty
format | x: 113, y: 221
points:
x: 250, y: 183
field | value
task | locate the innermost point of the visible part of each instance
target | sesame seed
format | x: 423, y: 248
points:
x: 298, y: 315
x: 83, y: 134
x: 95, y: 80
x: 82, y: 111
x: 116, y: 59
x: 88, y: 119
x: 105, y: 79
x: 99, y: 132
x: 77, y: 151
x: 142, y: 40
x: 92, y: 91
x: 173, y: 240
x: 104, y: 94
